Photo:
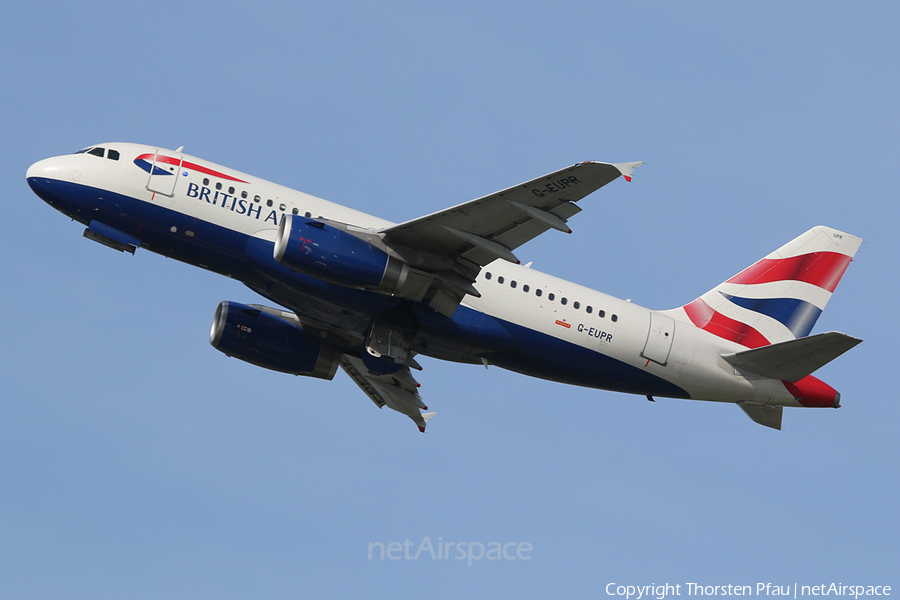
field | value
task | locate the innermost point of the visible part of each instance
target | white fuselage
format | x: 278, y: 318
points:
x: 207, y: 194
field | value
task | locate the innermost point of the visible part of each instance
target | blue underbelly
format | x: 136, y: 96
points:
x: 466, y: 337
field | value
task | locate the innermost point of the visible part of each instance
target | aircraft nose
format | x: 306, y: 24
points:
x: 43, y: 168
x: 41, y: 177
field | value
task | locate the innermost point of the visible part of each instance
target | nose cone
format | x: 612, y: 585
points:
x: 41, y: 177
x: 42, y: 169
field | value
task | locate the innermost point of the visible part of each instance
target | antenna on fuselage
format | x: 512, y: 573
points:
x: 179, y: 149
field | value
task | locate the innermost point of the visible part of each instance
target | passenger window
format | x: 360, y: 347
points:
x: 512, y: 284
x: 231, y: 190
x: 296, y: 211
x: 589, y: 309
x: 551, y: 296
x: 244, y: 194
x: 269, y: 202
x: 218, y: 185
x: 525, y: 288
x: 281, y: 207
x: 601, y: 313
x: 614, y: 318
x: 487, y: 275
x: 577, y: 305
x: 538, y: 292
x: 308, y: 215
x: 256, y: 198
x: 113, y: 155
x: 564, y: 301
x: 206, y: 181
x: 96, y: 152
x: 500, y: 279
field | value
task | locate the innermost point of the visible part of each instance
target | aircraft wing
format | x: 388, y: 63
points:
x: 398, y: 391
x: 483, y: 230
x: 458, y: 241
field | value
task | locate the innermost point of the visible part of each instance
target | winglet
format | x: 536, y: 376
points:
x: 627, y: 168
x: 426, y: 417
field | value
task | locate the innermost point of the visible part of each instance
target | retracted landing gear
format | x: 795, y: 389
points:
x: 390, y: 339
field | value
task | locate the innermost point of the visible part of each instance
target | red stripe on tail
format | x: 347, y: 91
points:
x: 705, y: 317
x: 822, y: 269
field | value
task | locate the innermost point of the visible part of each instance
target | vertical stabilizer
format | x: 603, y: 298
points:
x: 780, y: 297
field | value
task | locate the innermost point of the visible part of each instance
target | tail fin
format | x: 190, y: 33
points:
x: 780, y: 297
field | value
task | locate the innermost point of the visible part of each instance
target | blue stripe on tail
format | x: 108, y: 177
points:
x: 797, y: 315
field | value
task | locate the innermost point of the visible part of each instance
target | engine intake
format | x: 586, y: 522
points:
x: 265, y: 340
x: 333, y: 255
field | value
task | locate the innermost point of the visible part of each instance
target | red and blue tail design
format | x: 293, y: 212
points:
x: 780, y: 297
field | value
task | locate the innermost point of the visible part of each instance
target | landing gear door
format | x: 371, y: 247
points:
x: 164, y: 170
x: 659, y: 338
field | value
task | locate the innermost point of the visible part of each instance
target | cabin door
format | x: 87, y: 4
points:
x: 164, y: 172
x: 659, y: 338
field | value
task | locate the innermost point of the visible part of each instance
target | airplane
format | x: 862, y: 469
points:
x: 367, y: 295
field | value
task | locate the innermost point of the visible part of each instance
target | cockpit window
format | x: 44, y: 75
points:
x: 112, y: 154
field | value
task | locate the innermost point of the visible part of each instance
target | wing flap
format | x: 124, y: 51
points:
x: 792, y: 360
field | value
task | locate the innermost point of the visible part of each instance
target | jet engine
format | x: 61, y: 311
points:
x: 328, y: 253
x: 255, y: 334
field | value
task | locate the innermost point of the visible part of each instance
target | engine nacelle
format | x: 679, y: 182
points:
x: 267, y: 341
x: 333, y: 255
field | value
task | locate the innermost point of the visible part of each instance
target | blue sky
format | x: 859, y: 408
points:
x: 138, y: 462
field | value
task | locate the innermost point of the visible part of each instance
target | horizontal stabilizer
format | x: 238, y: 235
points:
x: 770, y: 416
x: 793, y: 360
